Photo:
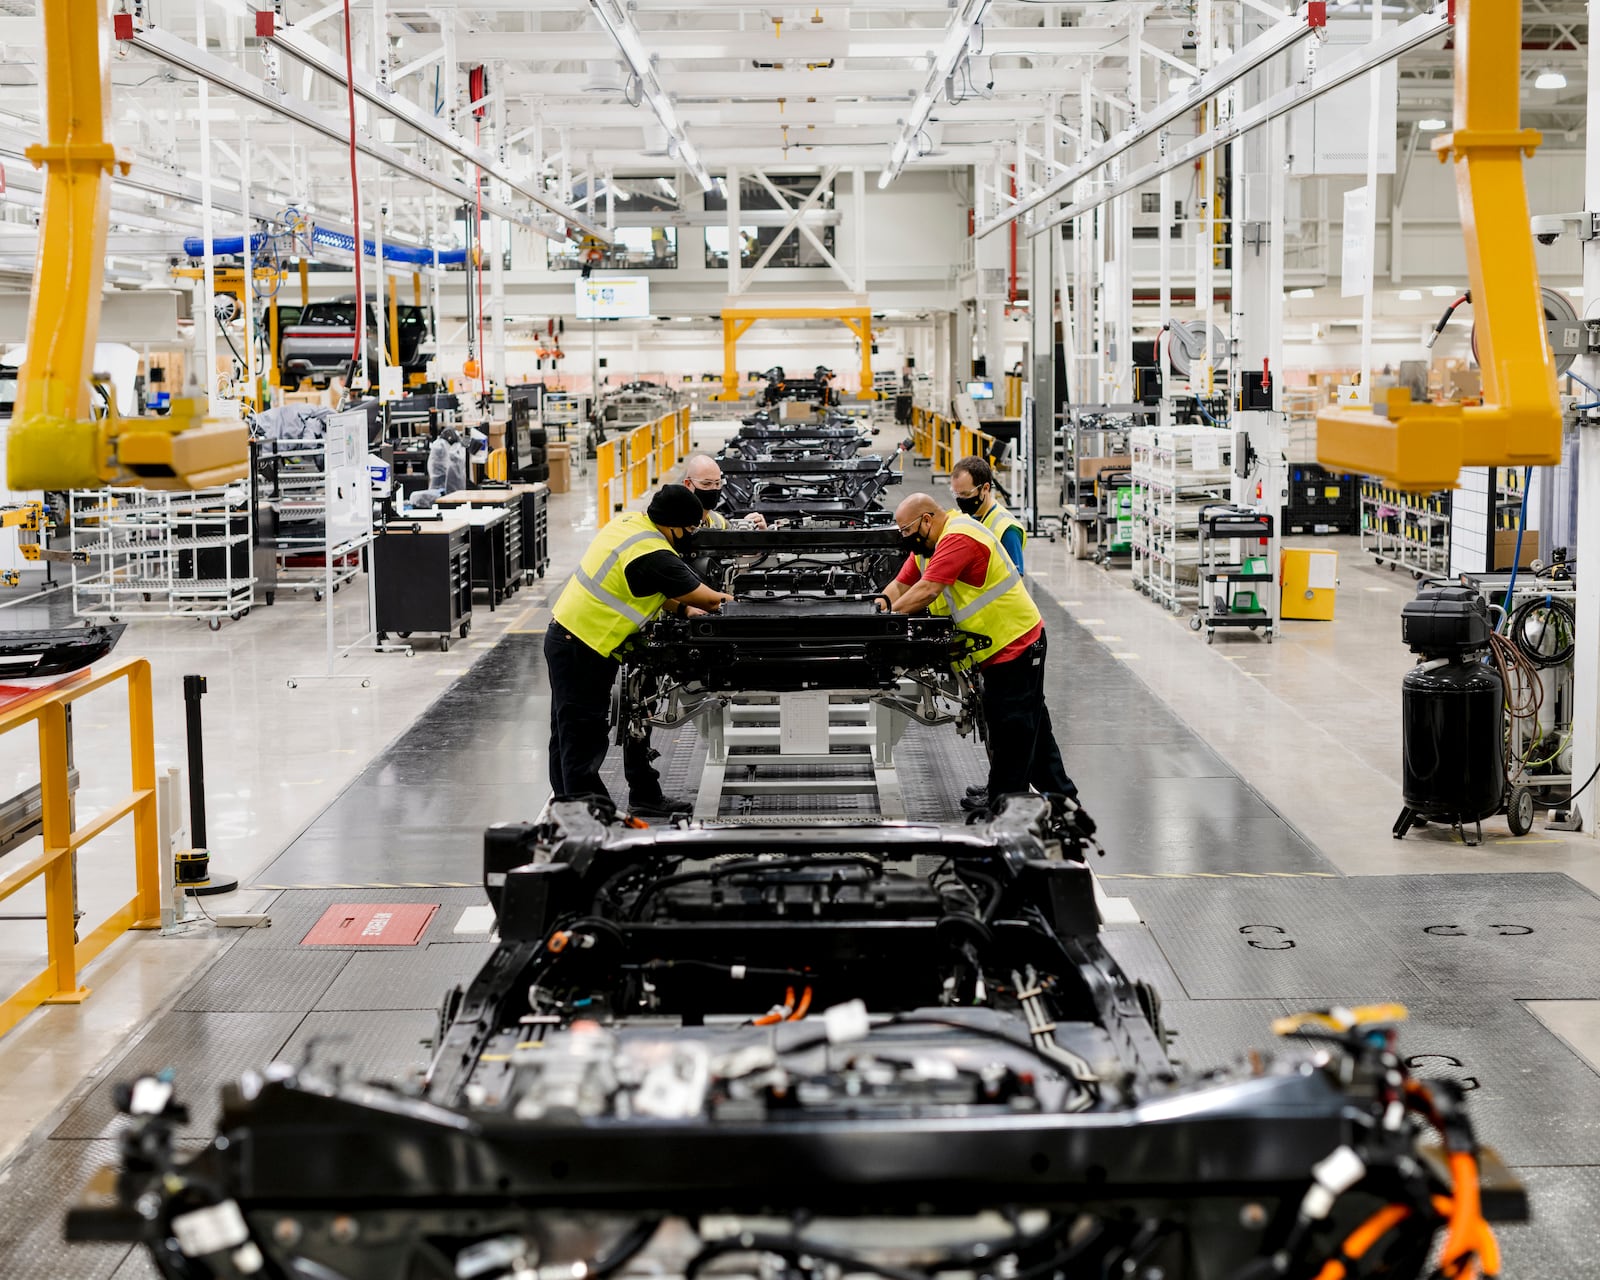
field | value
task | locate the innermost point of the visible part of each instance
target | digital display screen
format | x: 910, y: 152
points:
x: 981, y: 390
x: 613, y: 297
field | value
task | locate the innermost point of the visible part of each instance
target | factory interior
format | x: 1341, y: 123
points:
x: 1036, y: 541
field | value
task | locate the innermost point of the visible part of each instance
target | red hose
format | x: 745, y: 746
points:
x: 355, y: 187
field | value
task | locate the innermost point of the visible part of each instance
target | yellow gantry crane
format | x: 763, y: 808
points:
x: 1424, y: 446
x: 56, y: 440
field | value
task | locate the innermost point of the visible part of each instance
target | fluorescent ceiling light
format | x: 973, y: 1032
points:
x: 1432, y: 124
x: 1550, y: 78
x: 614, y: 18
x: 1573, y: 291
x: 957, y: 39
x: 1411, y: 295
x: 1302, y: 293
x: 1443, y: 291
x: 1177, y: 82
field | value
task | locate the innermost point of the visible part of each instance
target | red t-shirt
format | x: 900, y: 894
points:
x: 960, y: 558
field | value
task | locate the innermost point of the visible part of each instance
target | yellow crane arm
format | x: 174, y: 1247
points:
x: 54, y: 441
x: 1424, y: 446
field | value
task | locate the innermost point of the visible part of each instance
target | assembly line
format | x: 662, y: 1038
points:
x: 599, y: 805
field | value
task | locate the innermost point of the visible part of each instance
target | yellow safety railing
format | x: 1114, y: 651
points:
x: 626, y: 467
x: 641, y: 451
x: 922, y: 432
x: 974, y: 444
x: 666, y: 444
x: 944, y: 445
x: 58, y: 982
x: 1013, y: 405
x: 609, y: 488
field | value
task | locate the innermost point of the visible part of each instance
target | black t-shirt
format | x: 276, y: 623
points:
x: 661, y: 573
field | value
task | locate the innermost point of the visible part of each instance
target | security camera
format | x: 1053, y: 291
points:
x: 1550, y: 227
x: 1546, y: 228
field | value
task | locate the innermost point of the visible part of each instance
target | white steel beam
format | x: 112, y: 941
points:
x: 231, y: 77
x: 322, y: 59
x: 673, y: 44
x: 1408, y: 35
x: 1288, y: 33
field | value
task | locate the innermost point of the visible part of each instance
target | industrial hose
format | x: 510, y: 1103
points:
x: 1559, y: 620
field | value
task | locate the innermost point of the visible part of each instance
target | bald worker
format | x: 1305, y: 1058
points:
x: 703, y: 477
x: 966, y: 575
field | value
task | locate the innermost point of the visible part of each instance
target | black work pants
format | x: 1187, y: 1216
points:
x: 580, y: 723
x: 1022, y: 741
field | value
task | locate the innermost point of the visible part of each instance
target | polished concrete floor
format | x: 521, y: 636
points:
x: 1236, y: 784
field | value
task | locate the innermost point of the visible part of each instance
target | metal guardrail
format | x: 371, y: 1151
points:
x: 626, y: 467
x: 58, y: 982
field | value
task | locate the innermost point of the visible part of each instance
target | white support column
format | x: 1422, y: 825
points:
x: 1257, y: 287
x: 208, y: 319
x: 1586, y: 659
x: 858, y: 228
x: 1374, y: 111
x: 497, y: 299
x: 247, y: 301
x: 434, y: 282
x: 1037, y: 438
x: 735, y: 241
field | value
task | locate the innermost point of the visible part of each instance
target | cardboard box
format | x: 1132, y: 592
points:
x: 1089, y: 468
x: 559, y: 455
x: 1505, y: 548
x: 1464, y: 384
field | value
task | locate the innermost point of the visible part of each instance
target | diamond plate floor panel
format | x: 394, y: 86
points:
x: 391, y: 1045
x: 36, y: 1191
x: 1206, y: 1033
x: 205, y: 1050
x: 1518, y: 932
x: 264, y: 980
x: 415, y: 979
x: 1559, y: 1242
x: 1272, y: 939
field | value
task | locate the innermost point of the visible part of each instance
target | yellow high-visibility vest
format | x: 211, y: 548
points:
x: 1001, y: 607
x: 999, y: 520
x: 597, y: 604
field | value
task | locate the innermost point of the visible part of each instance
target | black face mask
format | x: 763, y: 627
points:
x: 969, y: 506
x: 914, y: 545
x: 710, y: 499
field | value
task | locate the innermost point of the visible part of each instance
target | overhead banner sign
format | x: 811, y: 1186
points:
x: 613, y: 297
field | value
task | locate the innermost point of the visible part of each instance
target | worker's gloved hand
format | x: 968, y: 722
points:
x: 757, y: 519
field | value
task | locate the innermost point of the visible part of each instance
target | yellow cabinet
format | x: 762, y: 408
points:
x: 1309, y: 579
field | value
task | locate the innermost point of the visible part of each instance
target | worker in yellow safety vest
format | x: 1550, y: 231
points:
x: 633, y: 570
x: 703, y: 477
x: 972, y: 484
x: 967, y: 574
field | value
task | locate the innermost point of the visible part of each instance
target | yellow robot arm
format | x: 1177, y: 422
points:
x: 1424, y: 446
x: 54, y: 441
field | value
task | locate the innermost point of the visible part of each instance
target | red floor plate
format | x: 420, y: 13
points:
x: 371, y: 924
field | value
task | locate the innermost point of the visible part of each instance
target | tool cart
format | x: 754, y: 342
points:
x: 1236, y: 571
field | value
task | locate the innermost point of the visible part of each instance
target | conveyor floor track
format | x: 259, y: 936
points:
x: 1211, y: 868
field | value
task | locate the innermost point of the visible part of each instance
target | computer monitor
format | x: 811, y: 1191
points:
x: 982, y: 390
